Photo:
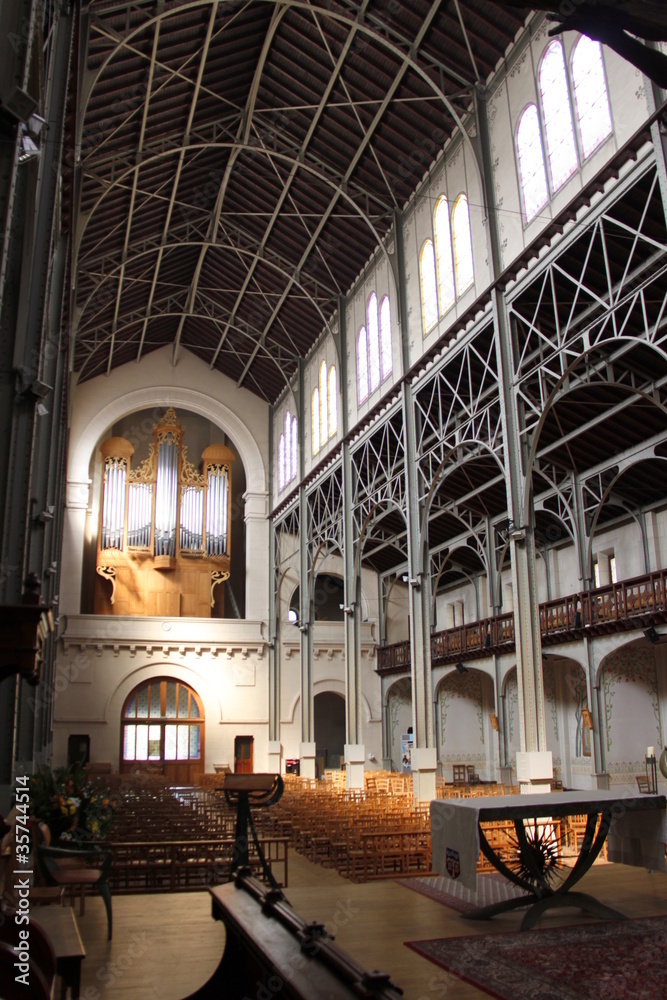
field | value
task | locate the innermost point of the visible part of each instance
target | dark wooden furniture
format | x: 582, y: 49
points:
x: 459, y: 774
x: 530, y: 815
x: 40, y: 964
x: 60, y: 926
x: 80, y: 867
x: 266, y: 942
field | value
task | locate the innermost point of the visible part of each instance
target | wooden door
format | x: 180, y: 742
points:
x: 243, y: 755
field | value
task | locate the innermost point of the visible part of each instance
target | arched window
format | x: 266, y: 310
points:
x: 324, y: 407
x: 362, y: 365
x: 443, y: 255
x: 590, y: 95
x: 462, y: 240
x: 162, y: 725
x: 287, y: 452
x: 428, y: 285
x: 294, y: 450
x: 374, y: 356
x: 324, y: 421
x: 373, y: 342
x: 282, y: 477
x: 561, y: 147
x: 532, y: 175
x: 332, y: 403
x: 386, y: 361
x: 315, y: 419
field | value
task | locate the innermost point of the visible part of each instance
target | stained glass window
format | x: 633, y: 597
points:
x: 561, y: 147
x: 162, y: 738
x: 428, y: 285
x: 462, y: 241
x: 532, y: 174
x: 590, y: 95
x: 443, y: 255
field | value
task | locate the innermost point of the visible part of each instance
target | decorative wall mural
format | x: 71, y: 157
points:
x: 399, y: 711
x: 549, y: 685
x: 628, y: 668
x: 461, y: 687
x: 512, y: 704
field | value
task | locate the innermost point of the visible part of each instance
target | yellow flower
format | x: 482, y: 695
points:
x: 72, y: 809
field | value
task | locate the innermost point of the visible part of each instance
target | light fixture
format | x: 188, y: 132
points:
x: 35, y: 124
x: 29, y: 150
x: 405, y: 578
x: 348, y: 610
x: 461, y: 668
x: 651, y: 634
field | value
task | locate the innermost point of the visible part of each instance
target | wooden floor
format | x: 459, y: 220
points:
x: 165, y: 946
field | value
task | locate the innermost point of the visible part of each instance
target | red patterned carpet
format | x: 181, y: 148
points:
x: 612, y: 960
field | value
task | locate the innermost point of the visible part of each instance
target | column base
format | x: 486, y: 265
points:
x: 307, y: 760
x: 273, y: 755
x: 424, y: 766
x: 355, y: 759
x: 534, y: 771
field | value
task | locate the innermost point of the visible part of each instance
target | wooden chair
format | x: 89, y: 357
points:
x: 642, y: 784
x: 472, y: 775
x: 76, y: 866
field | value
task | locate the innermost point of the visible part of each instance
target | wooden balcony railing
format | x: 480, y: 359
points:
x: 631, y: 604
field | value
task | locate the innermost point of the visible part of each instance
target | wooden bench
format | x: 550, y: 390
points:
x: 182, y: 865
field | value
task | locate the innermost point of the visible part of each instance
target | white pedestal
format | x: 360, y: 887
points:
x: 600, y: 781
x: 307, y: 760
x: 534, y: 771
x: 355, y: 759
x: 273, y: 750
x: 424, y: 765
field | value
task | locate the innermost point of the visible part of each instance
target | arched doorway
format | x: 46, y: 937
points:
x: 162, y: 731
x: 329, y: 730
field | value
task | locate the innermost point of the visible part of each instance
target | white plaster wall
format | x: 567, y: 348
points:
x: 509, y: 96
x: 464, y: 704
x: 101, y: 659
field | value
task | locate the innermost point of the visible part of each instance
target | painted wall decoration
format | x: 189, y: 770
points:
x: 629, y: 683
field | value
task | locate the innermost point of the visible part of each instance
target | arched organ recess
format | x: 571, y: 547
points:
x: 163, y: 543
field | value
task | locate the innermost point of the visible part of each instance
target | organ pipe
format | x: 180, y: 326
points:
x: 166, y: 499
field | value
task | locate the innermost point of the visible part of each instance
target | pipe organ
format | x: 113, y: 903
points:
x: 163, y: 543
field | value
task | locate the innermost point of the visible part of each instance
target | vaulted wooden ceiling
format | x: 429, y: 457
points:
x: 239, y: 162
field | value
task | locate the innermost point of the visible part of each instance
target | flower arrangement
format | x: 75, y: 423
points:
x: 74, y: 808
